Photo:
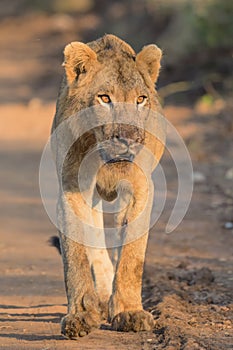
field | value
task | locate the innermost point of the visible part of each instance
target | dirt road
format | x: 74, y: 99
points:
x: 188, y: 278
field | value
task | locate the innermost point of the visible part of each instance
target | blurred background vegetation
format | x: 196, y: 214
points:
x: 196, y: 38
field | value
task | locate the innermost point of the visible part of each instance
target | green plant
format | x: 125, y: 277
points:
x: 213, y: 23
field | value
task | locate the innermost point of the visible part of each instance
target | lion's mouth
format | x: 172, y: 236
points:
x: 112, y: 157
x: 120, y: 159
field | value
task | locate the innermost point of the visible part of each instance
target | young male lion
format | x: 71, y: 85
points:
x: 107, y: 140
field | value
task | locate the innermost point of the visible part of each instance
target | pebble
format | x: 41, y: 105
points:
x: 229, y: 174
x: 222, y: 259
x: 198, y: 177
x: 228, y: 225
x: 82, y: 333
x: 228, y: 322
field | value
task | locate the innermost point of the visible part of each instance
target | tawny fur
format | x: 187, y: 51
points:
x: 94, y: 289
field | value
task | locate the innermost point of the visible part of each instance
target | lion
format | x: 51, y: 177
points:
x: 117, y: 85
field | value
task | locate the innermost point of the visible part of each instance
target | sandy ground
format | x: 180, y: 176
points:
x: 188, y: 278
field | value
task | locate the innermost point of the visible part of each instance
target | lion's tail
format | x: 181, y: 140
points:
x: 55, y: 242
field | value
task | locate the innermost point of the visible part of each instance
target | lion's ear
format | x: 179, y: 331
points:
x: 148, y: 60
x: 78, y: 58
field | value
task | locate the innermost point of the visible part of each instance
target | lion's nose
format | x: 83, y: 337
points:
x: 127, y: 145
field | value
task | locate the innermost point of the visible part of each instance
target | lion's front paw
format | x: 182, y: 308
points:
x: 75, y: 326
x: 135, y: 321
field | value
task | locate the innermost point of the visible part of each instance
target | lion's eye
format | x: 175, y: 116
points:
x: 141, y: 99
x: 105, y: 98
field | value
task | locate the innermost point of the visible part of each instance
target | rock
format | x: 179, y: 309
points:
x: 229, y: 174
x: 228, y: 225
x: 198, y: 177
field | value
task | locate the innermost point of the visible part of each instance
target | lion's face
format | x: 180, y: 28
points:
x: 122, y: 97
x: 109, y: 75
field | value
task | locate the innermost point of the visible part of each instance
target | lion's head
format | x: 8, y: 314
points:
x: 109, y: 75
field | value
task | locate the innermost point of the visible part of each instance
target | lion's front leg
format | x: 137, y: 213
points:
x: 83, y: 302
x: 125, y: 308
x: 100, y: 262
